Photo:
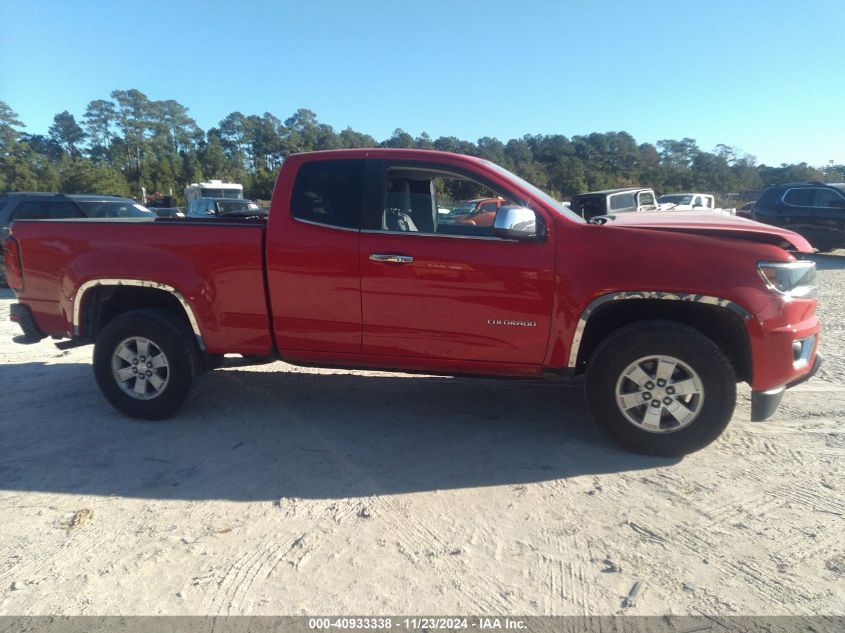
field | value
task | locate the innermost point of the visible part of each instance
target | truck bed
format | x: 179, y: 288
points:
x: 217, y: 267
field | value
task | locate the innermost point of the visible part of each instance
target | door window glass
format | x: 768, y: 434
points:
x: 800, y: 197
x: 829, y: 198
x: 647, y: 199
x: 114, y: 209
x: 430, y: 201
x: 329, y: 192
x: 32, y: 210
x: 622, y: 202
x: 64, y: 209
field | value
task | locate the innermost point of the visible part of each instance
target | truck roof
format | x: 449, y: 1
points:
x: 394, y: 152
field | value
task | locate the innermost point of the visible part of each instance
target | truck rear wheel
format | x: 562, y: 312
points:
x: 147, y: 363
x: 661, y: 388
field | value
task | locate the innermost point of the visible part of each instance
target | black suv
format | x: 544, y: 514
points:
x: 43, y: 206
x: 813, y: 209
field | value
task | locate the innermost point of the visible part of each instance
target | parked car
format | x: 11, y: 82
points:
x: 687, y: 201
x: 31, y: 205
x: 482, y: 214
x: 691, y: 202
x: 611, y: 201
x: 168, y: 212
x: 745, y: 211
x: 815, y: 210
x: 478, y: 211
x: 353, y: 269
x: 223, y: 207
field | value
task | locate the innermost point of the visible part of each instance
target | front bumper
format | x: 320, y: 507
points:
x: 765, y: 403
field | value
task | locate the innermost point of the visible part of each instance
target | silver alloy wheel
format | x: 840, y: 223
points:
x: 140, y: 368
x: 659, y: 394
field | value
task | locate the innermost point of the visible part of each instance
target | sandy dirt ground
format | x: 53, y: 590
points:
x: 282, y: 490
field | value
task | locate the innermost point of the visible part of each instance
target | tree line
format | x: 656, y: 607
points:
x: 128, y: 142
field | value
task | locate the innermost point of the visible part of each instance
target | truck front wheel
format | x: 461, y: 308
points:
x: 661, y: 388
x: 147, y: 363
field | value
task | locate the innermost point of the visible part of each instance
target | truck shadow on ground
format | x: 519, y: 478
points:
x: 265, y: 433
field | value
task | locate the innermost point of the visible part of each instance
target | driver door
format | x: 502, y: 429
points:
x: 442, y: 291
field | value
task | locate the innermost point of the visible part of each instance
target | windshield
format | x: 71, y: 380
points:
x: 114, y: 209
x: 537, y: 193
x: 674, y: 199
x: 220, y: 193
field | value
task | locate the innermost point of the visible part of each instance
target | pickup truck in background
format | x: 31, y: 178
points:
x: 691, y: 202
x: 611, y: 201
x: 353, y: 268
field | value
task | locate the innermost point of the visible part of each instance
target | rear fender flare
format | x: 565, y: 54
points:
x: 141, y: 283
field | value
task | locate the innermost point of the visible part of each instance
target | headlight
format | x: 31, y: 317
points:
x: 793, y: 279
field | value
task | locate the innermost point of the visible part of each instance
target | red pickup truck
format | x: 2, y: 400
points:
x: 662, y: 314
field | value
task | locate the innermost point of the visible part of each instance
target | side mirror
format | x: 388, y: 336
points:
x: 517, y: 223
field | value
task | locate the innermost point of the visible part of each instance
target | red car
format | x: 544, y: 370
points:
x: 354, y: 268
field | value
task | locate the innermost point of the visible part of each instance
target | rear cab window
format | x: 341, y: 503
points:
x: 330, y: 193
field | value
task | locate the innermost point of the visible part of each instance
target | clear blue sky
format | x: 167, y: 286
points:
x: 765, y: 76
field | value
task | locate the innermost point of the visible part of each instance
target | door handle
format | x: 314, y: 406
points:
x: 391, y: 259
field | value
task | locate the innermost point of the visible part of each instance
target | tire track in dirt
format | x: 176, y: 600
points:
x: 764, y: 583
x: 91, y: 537
x: 817, y: 500
x: 486, y: 594
x: 568, y: 575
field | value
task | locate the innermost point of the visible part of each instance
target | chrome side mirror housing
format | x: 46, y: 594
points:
x: 518, y: 223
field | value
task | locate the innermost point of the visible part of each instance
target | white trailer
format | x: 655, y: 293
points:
x: 213, y: 189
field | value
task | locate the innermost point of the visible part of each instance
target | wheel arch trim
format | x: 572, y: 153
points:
x: 604, y: 299
x: 138, y: 283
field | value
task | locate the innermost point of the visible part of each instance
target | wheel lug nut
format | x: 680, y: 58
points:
x: 143, y: 358
x: 660, y: 383
x: 149, y: 373
x: 655, y: 403
x: 134, y: 361
x: 649, y: 385
x: 667, y: 401
x: 670, y: 390
x: 134, y: 370
x: 150, y: 365
x: 646, y: 396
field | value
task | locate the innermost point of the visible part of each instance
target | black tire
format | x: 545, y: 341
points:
x: 173, y: 337
x: 661, y: 338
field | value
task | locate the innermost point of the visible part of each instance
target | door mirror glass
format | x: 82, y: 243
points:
x: 516, y: 223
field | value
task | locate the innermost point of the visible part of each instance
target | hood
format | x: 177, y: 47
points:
x: 712, y: 224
